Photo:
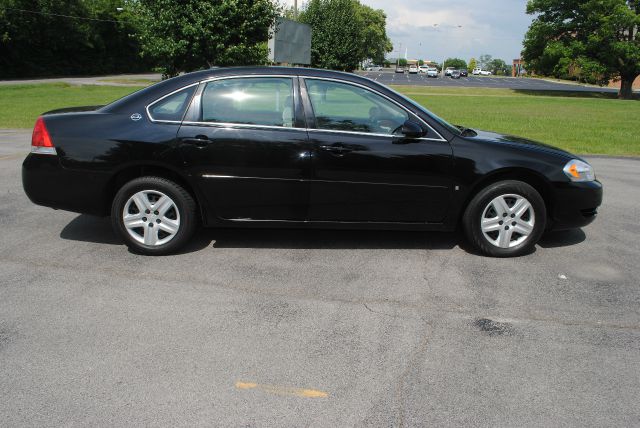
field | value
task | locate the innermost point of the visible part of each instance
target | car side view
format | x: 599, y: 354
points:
x: 298, y: 148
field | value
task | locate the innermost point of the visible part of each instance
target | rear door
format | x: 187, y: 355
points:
x: 363, y: 170
x: 245, y: 143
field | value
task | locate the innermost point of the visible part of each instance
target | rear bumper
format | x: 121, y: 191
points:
x: 576, y: 204
x: 47, y: 183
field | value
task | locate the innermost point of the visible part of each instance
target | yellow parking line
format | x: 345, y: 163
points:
x: 283, y: 390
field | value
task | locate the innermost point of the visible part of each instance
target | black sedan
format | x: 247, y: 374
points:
x: 296, y: 147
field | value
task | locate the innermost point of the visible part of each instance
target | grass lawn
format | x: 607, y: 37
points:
x: 20, y: 105
x: 591, y: 123
x: 581, y: 123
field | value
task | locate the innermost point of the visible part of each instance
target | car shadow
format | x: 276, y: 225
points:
x: 562, y: 238
x: 86, y: 228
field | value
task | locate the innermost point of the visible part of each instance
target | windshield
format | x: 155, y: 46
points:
x: 453, y: 129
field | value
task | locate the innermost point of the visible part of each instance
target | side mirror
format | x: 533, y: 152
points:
x: 411, y: 129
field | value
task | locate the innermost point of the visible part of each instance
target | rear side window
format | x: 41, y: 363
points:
x: 172, y: 107
x: 251, y: 101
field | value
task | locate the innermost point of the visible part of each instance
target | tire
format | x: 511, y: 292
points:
x: 165, y: 223
x: 491, y: 215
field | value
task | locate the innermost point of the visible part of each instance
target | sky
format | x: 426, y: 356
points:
x: 437, y: 29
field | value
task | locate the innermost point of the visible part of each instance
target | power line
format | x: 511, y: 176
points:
x: 60, y: 15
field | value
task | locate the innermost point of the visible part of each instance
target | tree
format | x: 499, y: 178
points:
x: 457, y: 63
x: 485, y: 60
x: 195, y: 34
x: 376, y: 44
x: 345, y: 33
x: 473, y: 63
x: 498, y: 67
x: 595, y: 40
x: 93, y: 38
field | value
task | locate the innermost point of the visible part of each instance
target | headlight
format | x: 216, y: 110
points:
x: 577, y: 170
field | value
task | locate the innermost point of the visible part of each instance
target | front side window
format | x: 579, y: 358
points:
x: 172, y: 107
x: 345, y: 107
x: 249, y: 100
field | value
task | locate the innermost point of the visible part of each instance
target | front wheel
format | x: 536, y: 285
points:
x: 506, y: 219
x: 153, y: 215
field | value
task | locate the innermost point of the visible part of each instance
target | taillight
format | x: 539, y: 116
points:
x: 41, y: 140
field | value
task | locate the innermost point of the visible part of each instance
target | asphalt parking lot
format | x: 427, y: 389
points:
x: 525, y: 84
x: 316, y: 328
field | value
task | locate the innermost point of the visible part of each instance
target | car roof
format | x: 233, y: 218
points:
x: 146, y: 95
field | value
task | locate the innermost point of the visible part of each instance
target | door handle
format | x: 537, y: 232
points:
x: 198, y: 141
x: 337, y: 149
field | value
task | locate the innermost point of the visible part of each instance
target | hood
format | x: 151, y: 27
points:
x: 72, y: 110
x: 514, y: 141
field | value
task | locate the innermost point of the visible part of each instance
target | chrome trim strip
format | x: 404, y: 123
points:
x: 410, y: 113
x: 321, y: 181
x: 390, y: 223
x: 290, y: 76
x: 40, y: 150
x: 338, y: 131
x: 227, y: 125
x: 242, y: 76
x: 162, y: 98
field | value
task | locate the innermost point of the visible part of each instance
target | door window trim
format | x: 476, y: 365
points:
x: 346, y: 82
x: 231, y: 125
x: 305, y: 100
x: 166, y: 96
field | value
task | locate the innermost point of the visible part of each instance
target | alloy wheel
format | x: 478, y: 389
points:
x: 508, y: 221
x: 151, y: 217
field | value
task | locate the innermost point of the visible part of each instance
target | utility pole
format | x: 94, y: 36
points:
x: 295, y: 9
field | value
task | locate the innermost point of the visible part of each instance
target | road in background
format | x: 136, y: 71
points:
x: 316, y: 328
x: 113, y: 80
x: 522, y: 83
x: 386, y: 77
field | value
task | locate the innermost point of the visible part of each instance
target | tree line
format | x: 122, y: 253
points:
x: 81, y: 37
x: 592, y: 41
x: 495, y: 65
x: 66, y: 37
x: 588, y: 40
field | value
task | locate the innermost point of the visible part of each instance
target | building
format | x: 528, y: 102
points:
x: 517, y: 69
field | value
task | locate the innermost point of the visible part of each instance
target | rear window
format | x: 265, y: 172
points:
x: 173, y: 107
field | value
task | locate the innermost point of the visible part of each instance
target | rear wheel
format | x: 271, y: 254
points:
x: 153, y: 215
x: 506, y: 219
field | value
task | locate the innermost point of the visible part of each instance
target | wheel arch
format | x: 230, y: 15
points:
x: 526, y: 175
x: 132, y: 171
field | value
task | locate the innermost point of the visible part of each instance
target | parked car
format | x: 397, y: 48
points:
x: 373, y: 68
x: 423, y: 69
x: 455, y: 74
x: 413, y: 69
x: 432, y: 72
x: 485, y: 73
x: 464, y: 73
x: 476, y: 71
x: 399, y: 69
x: 448, y: 70
x: 298, y: 148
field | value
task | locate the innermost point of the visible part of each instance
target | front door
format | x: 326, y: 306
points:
x: 245, y: 149
x: 363, y: 169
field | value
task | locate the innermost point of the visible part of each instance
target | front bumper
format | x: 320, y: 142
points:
x: 575, y: 204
